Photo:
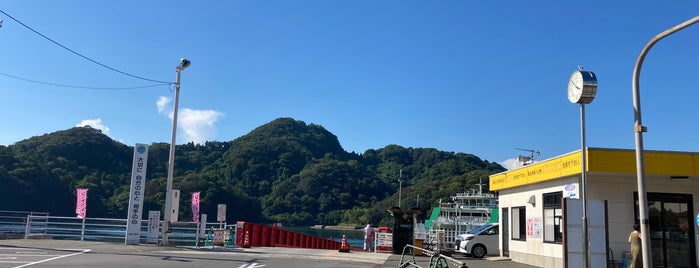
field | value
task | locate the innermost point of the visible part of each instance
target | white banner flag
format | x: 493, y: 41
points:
x: 195, y: 206
x: 81, y: 205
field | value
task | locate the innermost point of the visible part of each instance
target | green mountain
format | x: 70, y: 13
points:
x: 284, y: 171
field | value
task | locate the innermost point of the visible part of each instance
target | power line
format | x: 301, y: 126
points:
x: 82, y: 87
x: 81, y: 55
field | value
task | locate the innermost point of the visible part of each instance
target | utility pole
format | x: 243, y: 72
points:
x: 400, y: 187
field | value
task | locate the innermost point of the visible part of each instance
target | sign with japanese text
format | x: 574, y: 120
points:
x: 221, y: 215
x: 534, y: 227
x: 138, y: 186
x: 153, y: 226
x: 202, y: 226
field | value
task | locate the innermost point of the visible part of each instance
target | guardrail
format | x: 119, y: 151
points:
x: 43, y: 226
x: 13, y: 223
x: 437, y: 260
x: 103, y: 229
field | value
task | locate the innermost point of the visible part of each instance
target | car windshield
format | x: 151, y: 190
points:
x: 479, y: 229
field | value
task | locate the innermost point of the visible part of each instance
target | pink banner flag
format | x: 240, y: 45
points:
x: 195, y: 206
x: 81, y: 205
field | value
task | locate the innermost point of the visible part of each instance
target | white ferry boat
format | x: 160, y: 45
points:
x: 467, y: 210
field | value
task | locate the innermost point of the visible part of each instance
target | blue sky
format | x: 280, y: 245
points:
x: 480, y: 77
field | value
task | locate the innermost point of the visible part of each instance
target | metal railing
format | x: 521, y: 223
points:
x: 14, y: 222
x: 105, y: 230
x: 437, y: 260
x: 442, y: 239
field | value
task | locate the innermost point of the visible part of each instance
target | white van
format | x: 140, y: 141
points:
x: 479, y: 241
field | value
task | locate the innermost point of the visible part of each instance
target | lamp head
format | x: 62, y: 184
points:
x: 184, y: 63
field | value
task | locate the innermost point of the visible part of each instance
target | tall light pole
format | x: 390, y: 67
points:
x: 400, y: 187
x: 638, y: 129
x: 184, y: 63
x: 582, y: 88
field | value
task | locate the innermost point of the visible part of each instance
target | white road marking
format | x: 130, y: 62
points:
x: 30, y: 255
x: 54, y: 258
x: 251, y: 265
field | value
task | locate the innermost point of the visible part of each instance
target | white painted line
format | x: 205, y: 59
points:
x: 54, y: 258
x: 30, y: 255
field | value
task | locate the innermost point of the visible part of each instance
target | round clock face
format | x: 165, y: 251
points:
x: 582, y: 87
x: 575, y: 87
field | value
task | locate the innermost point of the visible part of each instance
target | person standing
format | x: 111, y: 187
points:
x: 635, y: 242
x: 368, y: 237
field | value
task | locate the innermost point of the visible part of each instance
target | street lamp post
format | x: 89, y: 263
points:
x: 638, y: 129
x: 184, y: 63
x: 400, y: 187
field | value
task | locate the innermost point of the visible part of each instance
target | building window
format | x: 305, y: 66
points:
x: 519, y: 223
x: 553, y: 215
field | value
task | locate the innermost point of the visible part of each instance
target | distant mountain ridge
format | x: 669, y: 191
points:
x: 284, y: 171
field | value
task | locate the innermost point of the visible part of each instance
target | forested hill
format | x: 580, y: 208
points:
x: 284, y: 171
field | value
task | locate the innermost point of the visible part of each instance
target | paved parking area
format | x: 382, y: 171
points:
x: 394, y: 261
x: 11, y: 256
x: 22, y: 253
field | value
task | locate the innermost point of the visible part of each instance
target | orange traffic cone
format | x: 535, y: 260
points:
x: 246, y: 242
x: 344, y: 247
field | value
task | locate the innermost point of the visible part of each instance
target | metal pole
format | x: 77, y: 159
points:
x: 638, y: 130
x: 400, y: 187
x: 171, y: 163
x: 82, y: 231
x: 583, y: 174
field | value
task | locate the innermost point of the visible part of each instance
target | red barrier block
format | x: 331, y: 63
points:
x: 239, y: 232
x: 275, y: 236
x: 257, y: 235
x: 266, y: 236
x: 282, y: 238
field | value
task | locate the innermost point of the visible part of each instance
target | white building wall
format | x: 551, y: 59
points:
x: 619, y: 193
x: 617, y: 189
x: 533, y: 251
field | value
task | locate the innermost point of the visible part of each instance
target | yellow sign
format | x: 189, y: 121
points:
x: 598, y: 160
x: 548, y: 170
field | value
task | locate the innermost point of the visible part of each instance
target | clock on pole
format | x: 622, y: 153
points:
x: 582, y: 87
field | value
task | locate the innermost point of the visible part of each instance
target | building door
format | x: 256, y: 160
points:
x: 505, y: 232
x: 671, y: 222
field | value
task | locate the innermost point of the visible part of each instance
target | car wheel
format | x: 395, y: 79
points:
x: 478, y: 251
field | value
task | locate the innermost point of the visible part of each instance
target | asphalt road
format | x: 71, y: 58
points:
x: 57, y: 253
x: 60, y: 253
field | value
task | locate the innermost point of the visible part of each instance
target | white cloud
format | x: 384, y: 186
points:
x: 162, y: 103
x: 94, y: 123
x: 511, y: 164
x: 198, y: 126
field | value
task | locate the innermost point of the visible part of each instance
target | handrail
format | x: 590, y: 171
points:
x: 102, y: 229
x: 12, y: 221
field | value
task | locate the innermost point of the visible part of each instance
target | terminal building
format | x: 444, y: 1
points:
x: 541, y: 213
